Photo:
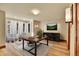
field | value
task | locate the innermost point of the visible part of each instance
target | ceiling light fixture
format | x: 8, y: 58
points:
x: 35, y: 11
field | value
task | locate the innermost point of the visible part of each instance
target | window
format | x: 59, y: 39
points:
x: 29, y: 28
x: 8, y: 27
x: 23, y: 27
x: 17, y: 27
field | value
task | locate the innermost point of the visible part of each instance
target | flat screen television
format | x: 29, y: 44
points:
x: 51, y: 26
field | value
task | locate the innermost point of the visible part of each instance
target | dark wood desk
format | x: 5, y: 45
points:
x: 34, y: 40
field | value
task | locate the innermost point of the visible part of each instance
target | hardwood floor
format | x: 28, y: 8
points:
x: 58, y: 49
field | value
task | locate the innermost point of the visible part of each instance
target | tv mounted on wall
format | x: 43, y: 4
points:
x: 51, y: 26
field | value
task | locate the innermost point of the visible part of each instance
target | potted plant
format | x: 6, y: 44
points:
x: 40, y: 33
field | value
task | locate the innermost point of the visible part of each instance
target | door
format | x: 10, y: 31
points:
x: 2, y: 29
x: 77, y: 41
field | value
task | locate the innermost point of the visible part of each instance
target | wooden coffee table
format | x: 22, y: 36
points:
x: 34, y: 40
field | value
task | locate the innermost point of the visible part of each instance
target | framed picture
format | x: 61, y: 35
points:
x: 51, y: 26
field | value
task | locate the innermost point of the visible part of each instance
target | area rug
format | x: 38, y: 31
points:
x: 42, y: 50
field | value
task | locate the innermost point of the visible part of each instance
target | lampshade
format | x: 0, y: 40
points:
x: 68, y: 15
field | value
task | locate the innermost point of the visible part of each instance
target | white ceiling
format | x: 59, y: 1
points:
x: 48, y: 11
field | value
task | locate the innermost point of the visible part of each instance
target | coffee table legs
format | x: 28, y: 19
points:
x: 23, y: 44
x: 47, y: 41
x: 35, y: 49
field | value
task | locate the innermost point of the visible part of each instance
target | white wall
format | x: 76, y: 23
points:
x: 62, y: 27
